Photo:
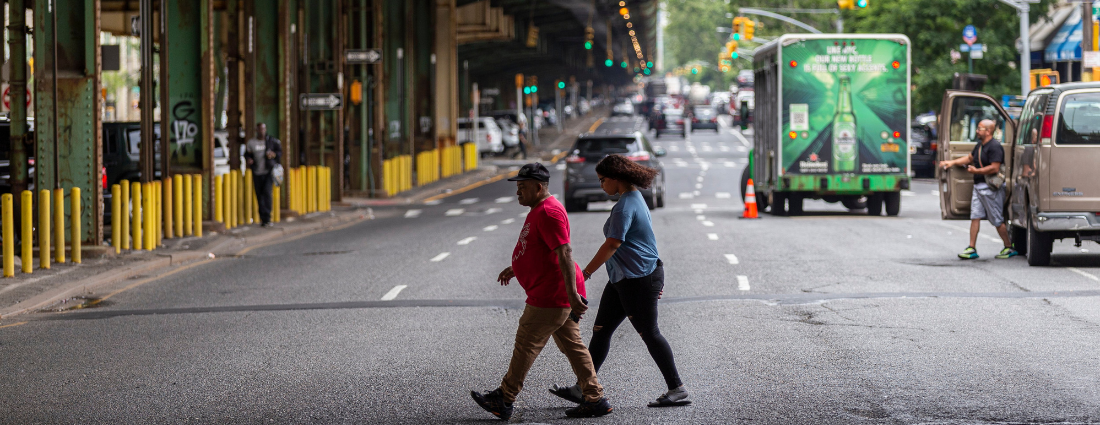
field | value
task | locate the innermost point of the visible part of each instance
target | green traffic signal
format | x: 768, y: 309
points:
x: 588, y: 45
x: 561, y: 84
x: 861, y: 3
x: 694, y: 70
x: 736, y: 36
x: 534, y: 89
x: 649, y: 64
x: 624, y: 64
x: 733, y: 55
x: 647, y: 71
x: 526, y: 90
x: 608, y: 62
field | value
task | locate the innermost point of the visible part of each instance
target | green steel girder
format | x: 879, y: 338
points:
x: 188, y: 143
x: 266, y: 69
x: 72, y: 159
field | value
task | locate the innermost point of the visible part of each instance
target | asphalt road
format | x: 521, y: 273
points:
x: 831, y: 317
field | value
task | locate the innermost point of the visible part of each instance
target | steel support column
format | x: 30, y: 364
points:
x: 446, y: 73
x: 233, y: 81
x: 325, y: 35
x: 17, y: 36
x: 77, y: 146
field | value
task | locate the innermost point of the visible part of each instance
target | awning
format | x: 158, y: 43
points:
x: 1066, y: 45
x: 1045, y: 28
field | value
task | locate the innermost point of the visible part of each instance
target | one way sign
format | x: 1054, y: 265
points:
x: 364, y: 56
x: 321, y: 101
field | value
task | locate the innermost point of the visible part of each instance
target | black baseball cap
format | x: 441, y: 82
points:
x: 532, y: 171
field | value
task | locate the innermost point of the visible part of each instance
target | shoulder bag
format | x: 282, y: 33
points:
x: 995, y: 181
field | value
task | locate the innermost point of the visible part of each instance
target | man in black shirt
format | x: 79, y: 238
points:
x: 986, y: 202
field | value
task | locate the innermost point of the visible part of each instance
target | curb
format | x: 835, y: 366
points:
x: 164, y: 261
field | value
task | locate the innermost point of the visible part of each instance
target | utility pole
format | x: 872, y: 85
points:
x: 1023, y: 9
x: 1086, y: 39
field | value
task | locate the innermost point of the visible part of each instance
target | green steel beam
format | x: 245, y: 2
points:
x: 75, y: 155
x: 187, y: 140
x: 266, y: 69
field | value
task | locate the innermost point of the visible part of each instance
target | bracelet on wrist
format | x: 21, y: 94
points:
x: 586, y: 274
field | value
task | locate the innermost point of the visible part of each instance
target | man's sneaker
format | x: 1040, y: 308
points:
x: 590, y: 409
x: 493, y: 402
x: 969, y: 253
x: 1007, y: 253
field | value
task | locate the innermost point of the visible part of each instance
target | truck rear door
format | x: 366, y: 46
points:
x: 1074, y: 181
x: 960, y: 114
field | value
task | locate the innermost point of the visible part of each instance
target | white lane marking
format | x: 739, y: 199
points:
x: 698, y: 185
x: 440, y: 257
x: 731, y: 164
x: 505, y: 199
x: 907, y: 193
x: 742, y: 149
x: 708, y: 224
x: 742, y: 283
x: 435, y: 202
x: 712, y: 236
x: 967, y: 231
x: 508, y: 221
x: 732, y: 259
x: 681, y: 164
x: 468, y: 201
x: 699, y: 206
x: 467, y: 240
x: 412, y: 213
x: 523, y: 214
x: 706, y: 148
x: 935, y: 192
x: 701, y: 217
x: 685, y: 195
x: 490, y: 228
x: 698, y: 211
x: 560, y: 167
x: 724, y: 148
x: 696, y: 193
x: 493, y: 210
x: 722, y: 195
x: 393, y: 292
x: 743, y: 140
x: 454, y: 212
x: 674, y: 148
x: 1083, y: 273
x: 699, y: 179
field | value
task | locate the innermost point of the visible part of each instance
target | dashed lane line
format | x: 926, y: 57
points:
x: 468, y: 201
x: 440, y: 257
x: 722, y: 195
x: 393, y: 292
x: 508, y: 221
x: 490, y: 228
x: 505, y: 199
x: 712, y: 236
x: 742, y: 283
x: 685, y: 195
x: 743, y: 140
x: 412, y: 213
x: 454, y: 212
x: 493, y: 210
x: 1083, y: 273
x: 467, y: 241
x: 708, y: 223
x: 732, y: 259
x: 701, y: 217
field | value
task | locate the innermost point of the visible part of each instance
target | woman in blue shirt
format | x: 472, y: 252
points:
x: 637, y: 277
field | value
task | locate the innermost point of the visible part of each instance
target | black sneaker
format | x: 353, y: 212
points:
x: 590, y: 409
x: 493, y: 402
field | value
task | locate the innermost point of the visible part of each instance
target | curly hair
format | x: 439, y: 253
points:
x: 625, y: 170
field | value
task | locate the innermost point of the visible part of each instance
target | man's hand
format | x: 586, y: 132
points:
x: 971, y: 169
x: 270, y: 155
x: 947, y: 164
x: 577, y: 304
x: 248, y: 161
x: 506, y: 276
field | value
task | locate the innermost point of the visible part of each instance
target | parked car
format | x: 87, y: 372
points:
x: 1052, y: 183
x: 582, y: 185
x: 490, y: 137
x: 5, y: 151
x: 922, y: 151
x: 624, y: 108
x: 670, y: 121
x: 704, y: 117
x: 221, y: 152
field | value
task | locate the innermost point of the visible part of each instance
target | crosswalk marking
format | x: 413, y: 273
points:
x: 412, y: 213
x: 468, y: 201
x: 742, y: 283
x: 731, y: 258
x: 454, y: 212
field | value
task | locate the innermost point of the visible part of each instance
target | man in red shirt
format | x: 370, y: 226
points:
x: 542, y: 262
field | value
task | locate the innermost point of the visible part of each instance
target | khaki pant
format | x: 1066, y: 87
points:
x: 536, y: 326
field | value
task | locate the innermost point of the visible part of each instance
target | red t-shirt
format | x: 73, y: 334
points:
x: 534, y: 262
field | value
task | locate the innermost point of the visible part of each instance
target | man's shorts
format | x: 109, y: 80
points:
x: 987, y: 203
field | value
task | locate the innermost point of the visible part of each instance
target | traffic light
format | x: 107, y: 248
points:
x: 608, y: 62
x: 561, y: 84
x: 737, y: 25
x: 527, y: 90
x: 861, y: 3
x: 845, y: 4
x: 624, y: 64
x: 694, y: 70
x: 589, y: 37
x: 750, y: 27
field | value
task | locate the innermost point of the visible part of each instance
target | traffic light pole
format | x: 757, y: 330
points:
x: 803, y: 25
x: 1022, y: 7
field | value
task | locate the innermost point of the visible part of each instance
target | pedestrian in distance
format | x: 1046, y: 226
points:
x: 543, y: 264
x: 637, y: 276
x: 263, y: 156
x: 987, y: 200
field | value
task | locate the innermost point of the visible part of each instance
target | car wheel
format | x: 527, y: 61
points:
x: 874, y: 204
x: 778, y: 207
x: 854, y: 203
x: 1039, y: 245
x: 794, y: 204
x: 893, y: 203
x: 661, y: 200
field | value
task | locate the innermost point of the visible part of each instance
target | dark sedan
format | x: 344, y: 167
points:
x: 582, y: 185
x: 670, y: 121
x: 922, y: 151
x: 704, y: 117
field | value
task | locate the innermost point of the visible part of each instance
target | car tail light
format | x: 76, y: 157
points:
x: 715, y: 119
x: 1048, y: 128
x: 935, y: 146
x: 103, y: 172
x: 694, y: 120
x: 574, y: 159
x: 488, y: 138
x: 681, y: 122
x: 30, y: 161
x: 638, y: 156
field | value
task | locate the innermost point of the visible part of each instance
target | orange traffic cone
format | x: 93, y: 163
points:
x: 750, y: 201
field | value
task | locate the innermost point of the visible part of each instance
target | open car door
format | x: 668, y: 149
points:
x: 958, y: 134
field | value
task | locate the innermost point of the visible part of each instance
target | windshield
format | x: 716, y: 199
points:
x: 604, y: 147
x: 1079, y: 123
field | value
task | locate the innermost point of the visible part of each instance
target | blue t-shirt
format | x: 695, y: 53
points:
x: 630, y: 222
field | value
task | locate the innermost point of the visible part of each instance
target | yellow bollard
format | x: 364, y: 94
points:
x: 255, y: 204
x: 328, y: 189
x: 196, y: 204
x: 44, y: 229
x: 167, y: 212
x: 77, y: 235
x: 116, y: 217
x: 240, y: 197
x: 28, y: 231
x: 148, y: 216
x: 313, y: 186
x: 135, y: 221
x: 59, y: 224
x: 9, y: 235
x: 188, y: 198
x: 230, y: 197
x: 177, y: 204
x: 159, y: 212
x: 218, y: 199
x: 249, y: 196
x: 124, y: 204
x: 275, y: 195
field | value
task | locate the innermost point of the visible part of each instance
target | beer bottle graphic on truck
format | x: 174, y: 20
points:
x: 845, y: 149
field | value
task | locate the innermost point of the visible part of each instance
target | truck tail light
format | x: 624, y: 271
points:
x: 574, y: 159
x: 103, y: 172
x: 1048, y: 128
x: 638, y: 156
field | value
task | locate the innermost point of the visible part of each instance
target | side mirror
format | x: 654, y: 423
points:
x: 659, y: 152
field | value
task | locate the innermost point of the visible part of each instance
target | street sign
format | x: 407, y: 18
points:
x: 974, y: 48
x: 970, y: 34
x: 321, y: 101
x: 7, y: 97
x: 1091, y: 59
x: 363, y: 56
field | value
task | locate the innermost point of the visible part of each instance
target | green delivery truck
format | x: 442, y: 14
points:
x: 831, y: 122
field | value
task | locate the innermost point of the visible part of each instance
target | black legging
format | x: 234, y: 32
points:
x: 636, y: 299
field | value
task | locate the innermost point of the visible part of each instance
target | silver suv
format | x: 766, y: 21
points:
x: 582, y: 185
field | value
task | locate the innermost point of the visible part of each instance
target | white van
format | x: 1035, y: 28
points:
x: 490, y: 137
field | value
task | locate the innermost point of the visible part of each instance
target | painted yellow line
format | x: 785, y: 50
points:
x: 13, y: 324
x: 473, y: 186
x: 160, y: 276
x: 595, y: 125
x: 558, y: 157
